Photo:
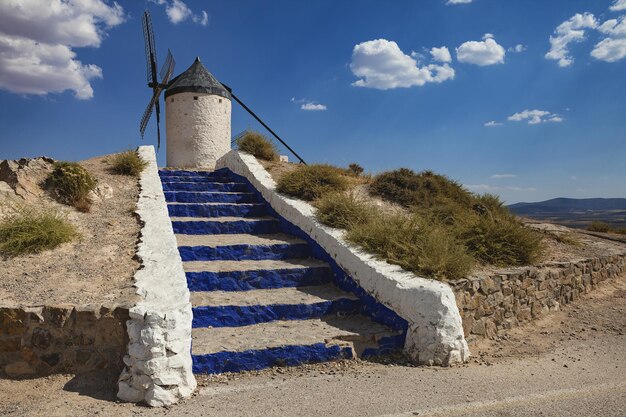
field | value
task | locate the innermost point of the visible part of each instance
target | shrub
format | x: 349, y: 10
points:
x: 355, y: 169
x: 503, y: 241
x: 597, y: 226
x: 410, y: 242
x: 621, y: 231
x: 72, y: 184
x: 342, y: 210
x: 31, y: 230
x: 407, y: 188
x: 566, y: 238
x: 310, y: 182
x: 127, y: 163
x: 258, y: 145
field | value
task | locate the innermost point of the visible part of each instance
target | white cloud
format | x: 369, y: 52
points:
x: 459, y: 1
x: 492, y: 188
x: 500, y: 176
x: 493, y: 123
x: 36, y: 41
x: 381, y: 64
x: 535, y: 117
x: 177, y: 12
x: 618, y: 5
x: 313, y: 107
x: 440, y: 54
x: 309, y: 105
x: 485, y: 52
x: 613, y: 47
x: 517, y: 48
x: 572, y: 30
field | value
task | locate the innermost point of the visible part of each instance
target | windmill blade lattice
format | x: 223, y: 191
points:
x: 157, y: 84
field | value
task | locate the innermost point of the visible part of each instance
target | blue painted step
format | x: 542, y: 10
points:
x: 243, y: 251
x: 207, y: 227
x: 258, y: 300
x: 287, y: 343
x: 235, y: 316
x: 251, y: 360
x: 195, y: 174
x: 208, y: 197
x: 199, y: 180
x: 258, y: 279
x: 205, y: 186
x: 217, y: 210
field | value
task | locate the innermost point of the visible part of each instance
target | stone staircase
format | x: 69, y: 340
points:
x: 260, y: 297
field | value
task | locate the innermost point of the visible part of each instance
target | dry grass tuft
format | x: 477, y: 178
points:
x: 310, y: 182
x: 258, y: 145
x: 597, y: 226
x: 26, y: 229
x: 127, y: 163
x: 343, y: 210
x: 414, y: 244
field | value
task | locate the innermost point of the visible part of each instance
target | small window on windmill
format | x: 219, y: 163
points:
x: 195, y: 97
x: 220, y: 100
x: 172, y: 100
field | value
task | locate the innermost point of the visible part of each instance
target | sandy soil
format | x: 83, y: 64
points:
x: 97, y: 268
x: 568, y: 363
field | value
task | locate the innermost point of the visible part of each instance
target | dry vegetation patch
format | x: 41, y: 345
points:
x: 71, y: 183
x: 98, y: 267
x: 127, y: 163
x: 29, y: 229
x: 258, y: 145
x: 310, y: 182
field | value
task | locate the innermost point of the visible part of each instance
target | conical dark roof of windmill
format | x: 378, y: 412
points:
x: 196, y: 79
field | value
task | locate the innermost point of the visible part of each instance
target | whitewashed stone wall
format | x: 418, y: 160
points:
x: 198, y: 129
x: 435, y: 334
x: 158, y: 366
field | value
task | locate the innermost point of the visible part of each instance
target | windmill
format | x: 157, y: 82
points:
x: 197, y: 107
x: 153, y: 82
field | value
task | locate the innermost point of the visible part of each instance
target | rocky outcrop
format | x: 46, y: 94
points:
x: 23, y: 177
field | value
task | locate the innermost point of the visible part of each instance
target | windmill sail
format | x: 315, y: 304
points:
x: 157, y: 84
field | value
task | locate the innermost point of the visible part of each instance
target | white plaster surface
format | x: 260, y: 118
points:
x: 198, y: 131
x: 158, y: 362
x: 435, y: 334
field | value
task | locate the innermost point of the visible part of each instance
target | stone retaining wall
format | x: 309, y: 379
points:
x: 40, y: 340
x: 504, y: 300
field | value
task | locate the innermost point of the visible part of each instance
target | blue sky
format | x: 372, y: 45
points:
x: 527, y: 99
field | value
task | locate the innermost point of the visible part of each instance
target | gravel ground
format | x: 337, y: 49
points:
x: 568, y: 363
x: 97, y: 268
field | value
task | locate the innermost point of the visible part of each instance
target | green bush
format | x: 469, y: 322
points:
x: 597, y: 226
x: 310, y: 182
x: 502, y: 241
x: 127, y: 163
x: 72, y: 184
x: 342, y: 210
x: 258, y: 145
x: 31, y: 230
x: 407, y: 188
x: 411, y: 242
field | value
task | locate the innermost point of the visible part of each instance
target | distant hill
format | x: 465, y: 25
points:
x: 575, y: 212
